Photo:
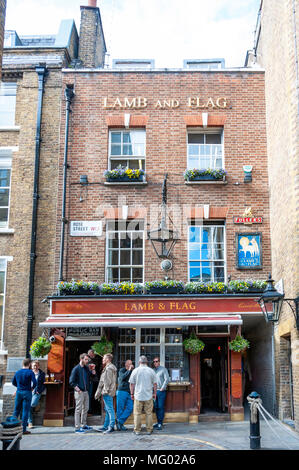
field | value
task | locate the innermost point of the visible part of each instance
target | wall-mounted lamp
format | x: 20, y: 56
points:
x: 84, y: 183
x: 247, y: 173
x: 83, y: 179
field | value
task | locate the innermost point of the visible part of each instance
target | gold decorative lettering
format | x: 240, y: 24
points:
x: 172, y: 305
x: 158, y: 104
x: 210, y: 103
x: 192, y: 306
x: 150, y: 306
x: 126, y: 307
x: 161, y: 306
x: 142, y: 306
x: 191, y: 102
x: 117, y: 103
x: 106, y: 103
x: 221, y: 103
x: 134, y: 307
x: 130, y: 104
x: 141, y: 102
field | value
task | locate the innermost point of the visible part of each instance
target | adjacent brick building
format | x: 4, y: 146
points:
x: 276, y: 49
x: 2, y: 25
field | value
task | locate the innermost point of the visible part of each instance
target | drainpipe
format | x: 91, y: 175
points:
x: 69, y: 94
x: 41, y: 71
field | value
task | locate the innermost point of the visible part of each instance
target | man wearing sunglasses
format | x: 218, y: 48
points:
x: 162, y: 381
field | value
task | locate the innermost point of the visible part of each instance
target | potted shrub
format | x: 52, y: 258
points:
x: 102, y: 347
x: 164, y: 287
x: 193, y: 345
x: 40, y: 348
x: 123, y: 175
x: 239, y: 344
x: 205, y: 174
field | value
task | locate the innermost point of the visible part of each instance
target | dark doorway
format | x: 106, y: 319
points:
x: 73, y: 351
x: 214, y: 376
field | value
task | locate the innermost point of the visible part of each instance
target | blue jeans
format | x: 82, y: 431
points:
x: 159, y: 405
x: 124, y: 406
x: 110, y: 415
x: 34, y: 402
x: 22, y: 405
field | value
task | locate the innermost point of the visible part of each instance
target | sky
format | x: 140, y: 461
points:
x: 167, y: 31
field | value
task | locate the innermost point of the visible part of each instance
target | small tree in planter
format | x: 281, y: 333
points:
x: 239, y: 344
x: 193, y: 345
x: 40, y: 348
x: 102, y: 347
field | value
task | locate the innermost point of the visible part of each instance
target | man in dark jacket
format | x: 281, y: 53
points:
x: 37, y: 391
x: 80, y: 379
x: 124, y: 403
x: 24, y: 380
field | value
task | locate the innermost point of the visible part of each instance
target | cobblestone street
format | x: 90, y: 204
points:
x: 203, y: 436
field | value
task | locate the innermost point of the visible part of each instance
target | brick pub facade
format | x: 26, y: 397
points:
x: 163, y: 122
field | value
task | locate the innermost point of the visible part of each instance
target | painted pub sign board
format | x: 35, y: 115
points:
x: 249, y: 250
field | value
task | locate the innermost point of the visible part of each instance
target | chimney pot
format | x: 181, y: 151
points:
x: 92, y: 3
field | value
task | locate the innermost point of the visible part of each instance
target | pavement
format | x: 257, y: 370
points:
x: 174, y: 436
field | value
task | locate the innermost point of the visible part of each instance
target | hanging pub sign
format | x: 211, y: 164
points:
x: 249, y: 250
x: 248, y: 218
x: 89, y: 228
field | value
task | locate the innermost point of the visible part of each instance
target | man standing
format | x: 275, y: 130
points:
x: 80, y: 379
x: 162, y: 381
x: 37, y: 391
x: 107, y: 388
x: 92, y: 364
x: 124, y: 403
x: 24, y: 380
x: 143, y: 387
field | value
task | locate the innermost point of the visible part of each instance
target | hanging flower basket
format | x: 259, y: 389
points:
x: 102, y: 347
x: 239, y: 344
x: 193, y: 345
x: 40, y: 348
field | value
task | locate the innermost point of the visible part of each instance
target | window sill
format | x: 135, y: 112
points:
x: 9, y: 128
x: 7, y: 231
x: 206, y: 182
x: 126, y: 183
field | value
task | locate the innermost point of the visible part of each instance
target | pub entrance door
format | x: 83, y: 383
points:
x: 73, y: 350
x: 214, y: 376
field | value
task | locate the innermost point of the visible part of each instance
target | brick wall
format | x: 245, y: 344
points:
x: 277, y: 21
x: 244, y: 143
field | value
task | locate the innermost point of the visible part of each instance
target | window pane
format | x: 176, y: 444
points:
x: 4, y: 177
x: 137, y: 275
x: 206, y: 272
x: 213, y: 138
x: 125, y: 257
x: 125, y: 274
x: 150, y: 352
x: 7, y: 110
x: 195, y: 138
x: 127, y: 335
x: 174, y: 357
x: 137, y: 240
x: 113, y: 257
x: 173, y: 335
x: 125, y: 353
x: 137, y: 257
x: 115, y: 149
x: 4, y: 197
x: 195, y: 273
x: 125, y: 241
x: 115, y: 137
x: 2, y: 280
x: 127, y: 149
x: 113, y: 240
x: 116, y: 163
x: 218, y: 272
x: 193, y: 150
x: 194, y: 234
x: 113, y: 275
x: 3, y: 217
x: 150, y: 335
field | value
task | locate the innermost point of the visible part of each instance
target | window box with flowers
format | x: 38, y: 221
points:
x: 205, y: 175
x: 164, y: 287
x: 125, y: 175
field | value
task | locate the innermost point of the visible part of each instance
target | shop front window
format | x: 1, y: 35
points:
x: 165, y: 343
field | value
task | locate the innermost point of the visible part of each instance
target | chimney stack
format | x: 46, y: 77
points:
x: 92, y: 46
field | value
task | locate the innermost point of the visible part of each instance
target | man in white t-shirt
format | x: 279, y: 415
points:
x: 143, y: 388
